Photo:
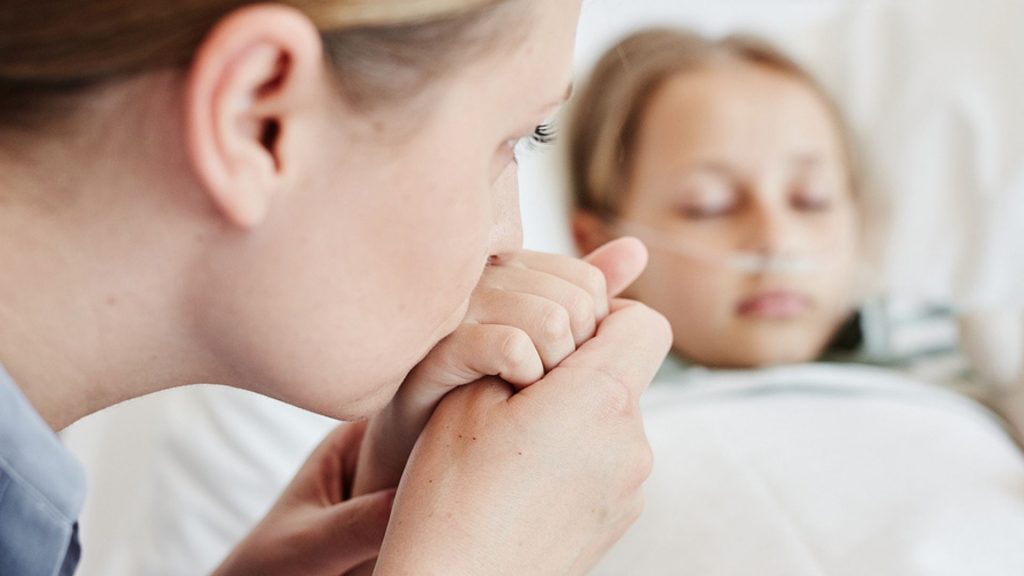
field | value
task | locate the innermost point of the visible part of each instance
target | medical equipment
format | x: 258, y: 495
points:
x: 743, y: 261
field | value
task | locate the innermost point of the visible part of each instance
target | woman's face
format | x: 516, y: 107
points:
x: 740, y: 187
x: 370, y: 258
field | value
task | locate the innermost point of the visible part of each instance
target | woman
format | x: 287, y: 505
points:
x: 299, y: 200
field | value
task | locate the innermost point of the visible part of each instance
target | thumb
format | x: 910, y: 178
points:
x: 621, y: 260
x: 351, y: 533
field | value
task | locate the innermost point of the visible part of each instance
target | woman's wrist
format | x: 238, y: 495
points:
x: 385, y: 450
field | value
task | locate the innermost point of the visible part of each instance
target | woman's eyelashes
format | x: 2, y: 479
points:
x: 511, y: 151
x: 544, y: 134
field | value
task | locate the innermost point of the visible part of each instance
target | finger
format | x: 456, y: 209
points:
x: 334, y: 459
x: 621, y: 261
x: 577, y: 301
x: 573, y: 270
x: 545, y: 322
x: 611, y: 370
x: 629, y: 347
x: 472, y: 352
x: 477, y: 350
x: 351, y: 533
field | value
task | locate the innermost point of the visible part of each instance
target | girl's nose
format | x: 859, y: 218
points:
x: 771, y: 229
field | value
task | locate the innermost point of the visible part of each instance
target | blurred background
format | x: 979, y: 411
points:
x: 932, y: 89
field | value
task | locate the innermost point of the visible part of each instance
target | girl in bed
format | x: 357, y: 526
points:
x: 735, y: 168
x: 733, y: 165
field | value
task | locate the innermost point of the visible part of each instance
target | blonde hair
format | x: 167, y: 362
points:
x: 605, y: 119
x: 52, y: 51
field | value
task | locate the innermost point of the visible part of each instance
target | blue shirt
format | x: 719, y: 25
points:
x: 42, y: 489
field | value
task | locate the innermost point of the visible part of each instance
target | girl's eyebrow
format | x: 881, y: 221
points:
x: 712, y: 167
x: 807, y: 160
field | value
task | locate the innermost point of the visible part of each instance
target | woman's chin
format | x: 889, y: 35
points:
x: 376, y: 398
x: 361, y: 408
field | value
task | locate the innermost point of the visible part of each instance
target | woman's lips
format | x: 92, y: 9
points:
x: 774, y: 305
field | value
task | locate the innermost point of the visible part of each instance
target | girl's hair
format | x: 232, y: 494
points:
x: 606, y: 117
x: 52, y: 52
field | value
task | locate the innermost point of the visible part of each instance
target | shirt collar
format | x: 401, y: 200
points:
x: 32, y: 451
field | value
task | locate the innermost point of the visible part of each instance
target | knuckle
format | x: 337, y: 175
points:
x: 636, y: 465
x: 515, y: 347
x: 594, y: 280
x: 644, y: 464
x: 580, y: 306
x: 637, y: 507
x: 555, y: 323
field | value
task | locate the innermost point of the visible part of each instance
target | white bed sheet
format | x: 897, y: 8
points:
x: 824, y: 470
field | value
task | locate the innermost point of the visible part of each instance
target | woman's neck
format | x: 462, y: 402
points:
x: 92, y: 296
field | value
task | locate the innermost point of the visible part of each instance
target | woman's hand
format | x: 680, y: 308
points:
x: 525, y: 317
x: 537, y: 482
x: 314, y: 529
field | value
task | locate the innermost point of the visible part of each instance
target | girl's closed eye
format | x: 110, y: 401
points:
x: 707, y: 198
x: 813, y: 196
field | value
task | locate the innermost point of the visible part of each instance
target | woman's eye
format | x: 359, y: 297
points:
x: 507, y: 152
x: 542, y: 136
x: 505, y: 155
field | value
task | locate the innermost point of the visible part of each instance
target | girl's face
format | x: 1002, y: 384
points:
x: 370, y: 258
x: 739, y: 186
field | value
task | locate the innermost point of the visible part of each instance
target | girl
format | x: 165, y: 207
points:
x: 733, y: 166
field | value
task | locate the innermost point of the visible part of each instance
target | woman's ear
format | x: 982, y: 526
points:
x: 589, y: 232
x: 246, y: 87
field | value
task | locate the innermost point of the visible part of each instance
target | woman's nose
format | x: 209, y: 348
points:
x: 506, y: 237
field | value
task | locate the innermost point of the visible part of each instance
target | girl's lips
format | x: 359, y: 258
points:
x: 774, y: 305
